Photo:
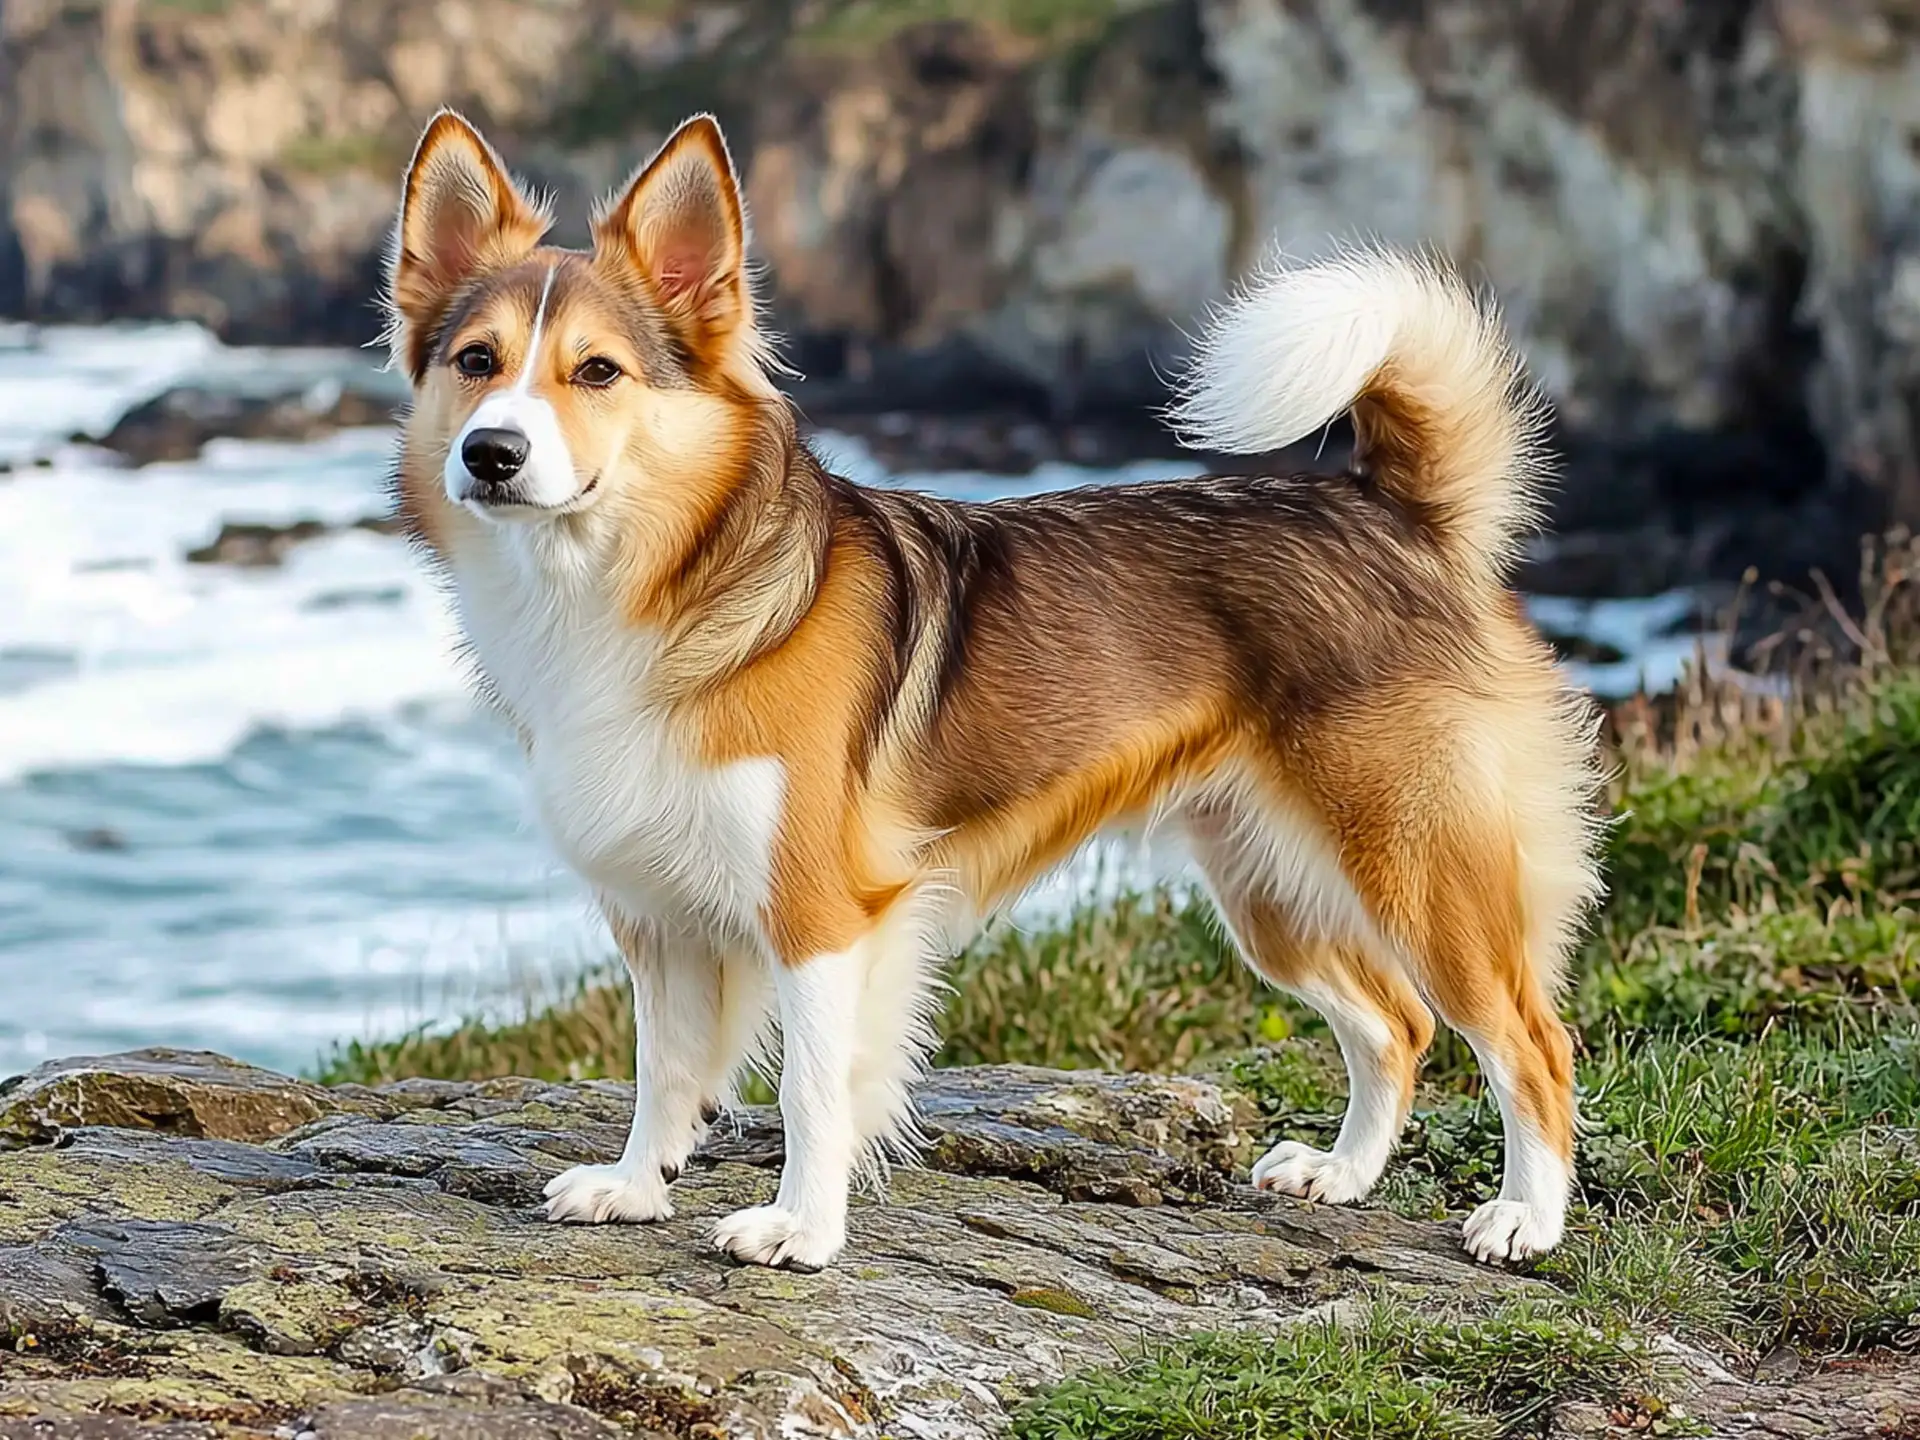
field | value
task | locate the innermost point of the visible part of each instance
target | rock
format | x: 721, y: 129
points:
x: 114, y: 1427
x: 46, y: 1293
x: 185, y: 1092
x: 1867, y: 1401
x: 254, y: 544
x: 167, y: 1273
x: 283, y: 1315
x: 455, y: 1159
x: 1135, y: 1139
x: 420, y: 1417
x: 375, y: 1274
x: 393, y: 1240
x: 177, y: 424
x: 227, y: 1161
x: 1704, y: 219
x: 397, y: 1346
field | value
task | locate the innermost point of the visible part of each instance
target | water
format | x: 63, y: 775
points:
x: 253, y: 809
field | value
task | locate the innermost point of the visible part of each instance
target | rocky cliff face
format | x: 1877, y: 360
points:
x: 191, y: 1247
x: 1704, y: 218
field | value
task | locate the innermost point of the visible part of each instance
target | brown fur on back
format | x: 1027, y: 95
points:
x: 1322, y: 678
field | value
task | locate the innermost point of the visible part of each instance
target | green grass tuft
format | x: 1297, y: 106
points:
x: 1833, y: 815
x: 1147, y: 982
x: 584, y: 1033
x: 864, y: 23
x: 1386, y: 1375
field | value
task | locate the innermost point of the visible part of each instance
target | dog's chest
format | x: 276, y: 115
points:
x: 618, y: 789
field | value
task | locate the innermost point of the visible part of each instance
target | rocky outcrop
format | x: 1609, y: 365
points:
x: 1703, y: 218
x: 190, y: 1247
x: 178, y: 423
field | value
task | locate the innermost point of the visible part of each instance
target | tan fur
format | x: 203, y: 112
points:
x: 1326, y: 669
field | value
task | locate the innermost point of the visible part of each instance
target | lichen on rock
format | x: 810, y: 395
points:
x: 375, y: 1268
x: 354, y: 1242
x: 184, y: 1092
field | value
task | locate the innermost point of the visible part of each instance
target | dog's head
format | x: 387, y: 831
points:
x: 555, y: 381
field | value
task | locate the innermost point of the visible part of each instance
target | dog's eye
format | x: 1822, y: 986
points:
x: 596, y: 372
x: 477, y: 361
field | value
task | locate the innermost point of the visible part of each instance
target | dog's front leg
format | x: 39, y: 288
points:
x: 806, y: 1225
x: 676, y: 1019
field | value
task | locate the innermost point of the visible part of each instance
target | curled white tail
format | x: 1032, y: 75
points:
x: 1444, y: 418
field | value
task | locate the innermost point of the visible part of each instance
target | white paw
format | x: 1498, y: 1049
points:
x: 603, y: 1194
x: 1511, y: 1230
x: 769, y: 1235
x: 1295, y: 1169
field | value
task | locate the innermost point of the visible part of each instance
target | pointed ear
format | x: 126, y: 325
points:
x: 681, y: 224
x: 459, y: 214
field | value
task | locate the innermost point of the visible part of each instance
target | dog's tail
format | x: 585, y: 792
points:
x: 1444, y: 419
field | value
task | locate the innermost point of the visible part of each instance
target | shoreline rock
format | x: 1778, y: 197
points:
x: 245, y: 1254
x: 178, y: 423
x: 256, y: 544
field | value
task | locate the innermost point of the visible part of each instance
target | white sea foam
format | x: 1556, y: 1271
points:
x: 151, y: 659
x: 56, y: 382
x: 1652, y: 635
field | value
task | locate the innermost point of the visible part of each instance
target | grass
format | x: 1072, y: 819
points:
x: 865, y: 23
x: 1387, y: 1374
x: 1743, y: 1194
x: 584, y: 1033
x: 332, y: 155
x: 1747, y: 1015
x: 1788, y: 1171
x: 617, y: 97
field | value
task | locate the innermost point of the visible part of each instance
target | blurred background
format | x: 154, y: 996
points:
x: 244, y: 802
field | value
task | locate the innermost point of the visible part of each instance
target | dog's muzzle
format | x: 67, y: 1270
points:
x: 493, y: 459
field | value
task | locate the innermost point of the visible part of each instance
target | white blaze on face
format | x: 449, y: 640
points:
x: 548, y: 480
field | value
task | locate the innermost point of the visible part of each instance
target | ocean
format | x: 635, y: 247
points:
x: 252, y: 809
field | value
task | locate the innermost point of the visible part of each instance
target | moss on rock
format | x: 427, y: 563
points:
x: 350, y: 1280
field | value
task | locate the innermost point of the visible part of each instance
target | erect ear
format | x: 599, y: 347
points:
x: 681, y: 224
x: 460, y: 213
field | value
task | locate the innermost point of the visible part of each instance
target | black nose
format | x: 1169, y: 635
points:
x: 494, y: 456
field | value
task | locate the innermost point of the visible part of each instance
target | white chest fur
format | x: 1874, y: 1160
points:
x: 620, y: 796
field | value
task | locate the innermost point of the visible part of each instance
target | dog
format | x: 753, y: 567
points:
x: 801, y: 738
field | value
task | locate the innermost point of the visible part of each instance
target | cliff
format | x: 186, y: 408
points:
x: 1704, y: 218
x: 192, y: 1247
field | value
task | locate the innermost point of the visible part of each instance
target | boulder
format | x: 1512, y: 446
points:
x: 369, y: 1265
x: 183, y: 1092
x: 1703, y: 219
x: 178, y: 423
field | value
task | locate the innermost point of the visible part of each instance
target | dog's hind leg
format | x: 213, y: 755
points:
x: 1381, y: 1024
x: 1486, y: 987
x: 1453, y: 888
